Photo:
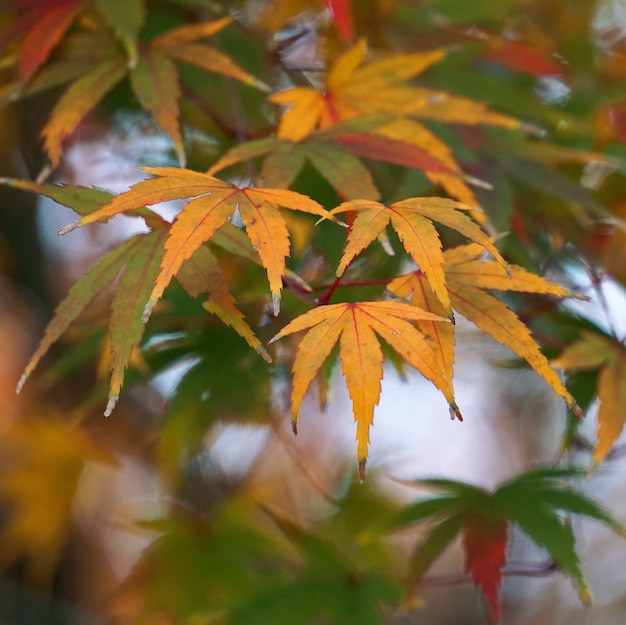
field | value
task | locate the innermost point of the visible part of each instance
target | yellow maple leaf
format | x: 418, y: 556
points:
x: 355, y: 326
x: 412, y: 219
x: 213, y: 205
x: 350, y: 91
x: 467, y: 277
x: 44, y: 458
x: 594, y: 351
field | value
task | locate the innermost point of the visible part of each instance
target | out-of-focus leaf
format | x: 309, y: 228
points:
x: 531, y: 501
x: 42, y: 460
x: 126, y: 17
x: 49, y: 21
x: 154, y: 80
x: 594, y: 351
x: 80, y: 97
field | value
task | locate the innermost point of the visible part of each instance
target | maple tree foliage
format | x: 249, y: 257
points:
x: 350, y: 181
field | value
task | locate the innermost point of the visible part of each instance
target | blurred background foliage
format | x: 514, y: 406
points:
x: 160, y: 514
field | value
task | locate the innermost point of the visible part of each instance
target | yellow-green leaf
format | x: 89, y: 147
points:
x: 154, y: 81
x: 80, y: 97
x: 201, y: 274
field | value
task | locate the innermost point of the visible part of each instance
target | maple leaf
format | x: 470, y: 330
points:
x: 151, y: 69
x: 467, y: 277
x: 215, y: 202
x: 412, y: 219
x: 355, y: 326
x: 201, y: 274
x: 42, y: 26
x: 534, y: 502
x: 453, y: 182
x: 332, y: 152
x: 351, y: 91
x: 43, y: 459
x: 341, y: 11
x: 608, y: 356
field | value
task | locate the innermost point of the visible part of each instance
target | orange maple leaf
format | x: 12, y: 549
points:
x: 355, y: 326
x: 467, y: 279
x: 412, y: 219
x: 350, y: 91
x: 594, y: 351
x: 214, y: 204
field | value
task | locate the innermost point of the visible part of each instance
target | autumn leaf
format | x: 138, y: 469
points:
x: 355, y: 326
x: 467, y: 278
x: 350, y: 91
x: 467, y: 282
x: 43, y: 459
x: 200, y: 275
x: 535, y: 502
x: 414, y: 287
x: 484, y: 544
x: 44, y: 25
x: 453, y: 182
x: 214, y: 204
x: 336, y: 154
x: 151, y: 68
x: 341, y: 11
x: 79, y: 98
x: 181, y: 43
x: 594, y: 351
x: 412, y: 219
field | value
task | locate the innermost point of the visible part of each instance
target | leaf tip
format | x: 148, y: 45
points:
x: 111, y: 405
x: 276, y: 304
x: 20, y: 384
x: 362, y: 464
x: 261, y: 351
x: 455, y: 411
x: 67, y: 229
x: 294, y: 426
x: 147, y: 311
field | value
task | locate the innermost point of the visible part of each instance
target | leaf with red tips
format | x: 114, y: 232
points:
x: 484, y: 544
x: 355, y: 326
